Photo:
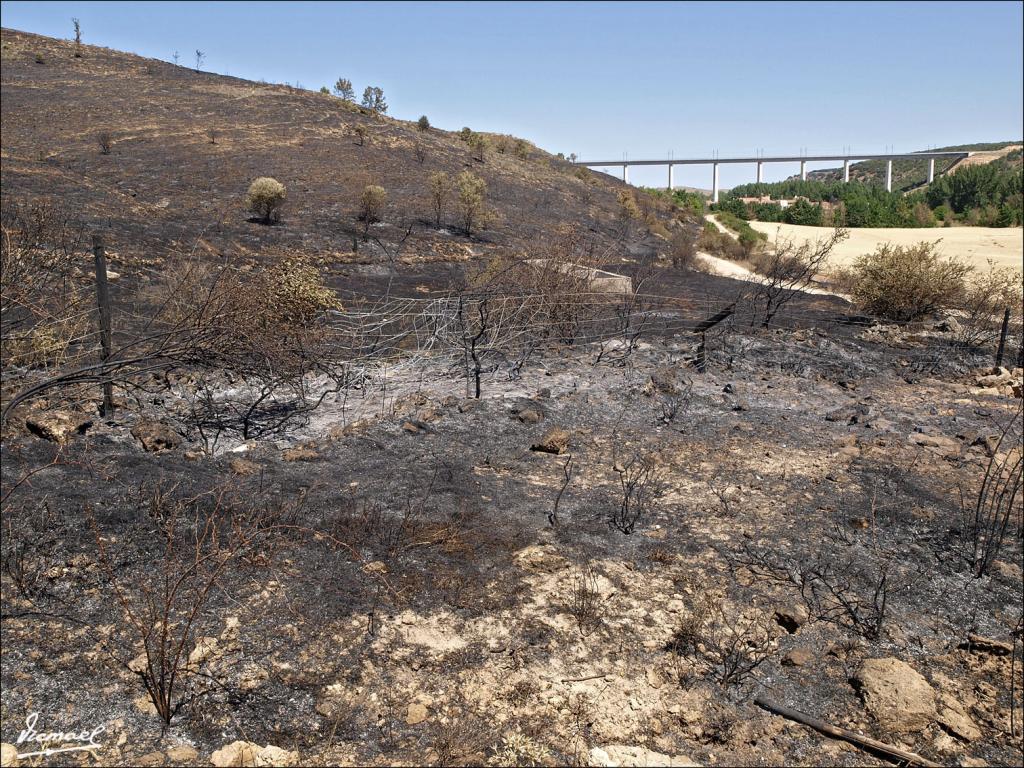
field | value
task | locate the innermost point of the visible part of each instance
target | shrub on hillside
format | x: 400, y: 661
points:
x: 907, y: 283
x: 371, y: 204
x: 440, y: 187
x: 683, y: 250
x: 472, y: 191
x: 423, y: 123
x: 265, y: 198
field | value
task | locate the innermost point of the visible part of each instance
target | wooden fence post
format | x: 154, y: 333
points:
x: 103, y: 301
x: 1002, y: 337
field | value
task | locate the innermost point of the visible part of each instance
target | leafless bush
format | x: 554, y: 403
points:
x: 847, y: 589
x: 106, y: 140
x: 996, y: 514
x: 360, y: 132
x: 419, y: 152
x: 727, y: 645
x: 675, y: 403
x: 640, y: 488
x: 212, y: 134
x: 585, y: 600
x: 45, y: 313
x: 567, y: 478
x: 460, y: 738
x: 988, y: 293
x: 164, y: 605
x: 266, y: 329
x: 786, y: 269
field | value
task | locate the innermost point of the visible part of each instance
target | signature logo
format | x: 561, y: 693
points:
x: 54, y: 742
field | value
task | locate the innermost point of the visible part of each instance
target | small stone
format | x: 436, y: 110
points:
x: 155, y: 436
x: 555, y: 440
x: 305, y: 452
x: 182, y: 753
x: 150, y: 759
x: 531, y: 415
x: 654, y: 678
x: 798, y: 657
x: 243, y: 467
x: 416, y: 714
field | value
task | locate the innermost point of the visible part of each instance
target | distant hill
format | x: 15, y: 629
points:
x: 185, y: 145
x: 910, y: 174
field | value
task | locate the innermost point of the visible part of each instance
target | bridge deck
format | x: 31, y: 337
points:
x: 779, y: 159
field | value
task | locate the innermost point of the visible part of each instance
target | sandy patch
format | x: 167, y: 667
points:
x: 977, y: 245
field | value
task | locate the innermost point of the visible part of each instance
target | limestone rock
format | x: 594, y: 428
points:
x: 798, y: 657
x: 531, y: 415
x: 945, y: 446
x: 246, y: 754
x: 615, y: 755
x: 8, y: 756
x: 555, y: 440
x: 244, y: 467
x: 664, y: 380
x: 58, y: 426
x: 182, y: 753
x: 996, y: 378
x: 954, y: 719
x: 979, y: 644
x: 791, y: 616
x: 304, y: 452
x: 155, y: 436
x: 416, y: 714
x: 896, y: 694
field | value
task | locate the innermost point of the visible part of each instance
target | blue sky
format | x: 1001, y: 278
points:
x: 603, y: 79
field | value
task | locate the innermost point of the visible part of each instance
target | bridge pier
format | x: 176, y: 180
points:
x: 846, y: 170
x: 714, y: 184
x: 625, y: 173
x: 671, y: 181
x: 888, y: 175
x: 760, y: 172
x: 931, y: 169
x: 803, y: 170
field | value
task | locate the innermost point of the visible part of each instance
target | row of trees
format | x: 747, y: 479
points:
x: 468, y: 191
x: 986, y: 195
x: 373, y: 97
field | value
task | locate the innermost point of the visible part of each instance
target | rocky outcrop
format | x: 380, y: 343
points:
x: 555, y: 440
x: 58, y: 426
x: 155, y: 436
x: 898, y: 696
x: 615, y: 755
x: 245, y: 753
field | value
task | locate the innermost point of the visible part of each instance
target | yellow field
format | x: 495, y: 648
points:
x: 976, y: 245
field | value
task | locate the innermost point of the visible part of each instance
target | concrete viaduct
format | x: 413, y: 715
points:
x: 931, y: 157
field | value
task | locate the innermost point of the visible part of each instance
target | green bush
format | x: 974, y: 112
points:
x: 423, y: 123
x: 907, y: 283
x: 748, y: 236
x: 265, y: 198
